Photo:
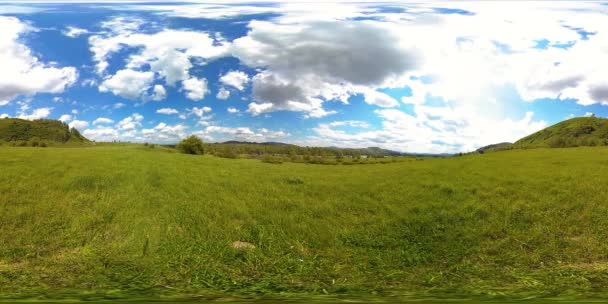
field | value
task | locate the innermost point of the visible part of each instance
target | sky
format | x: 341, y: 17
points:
x: 423, y: 77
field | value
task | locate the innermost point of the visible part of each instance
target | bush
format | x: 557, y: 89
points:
x: 191, y: 145
x: 272, y: 159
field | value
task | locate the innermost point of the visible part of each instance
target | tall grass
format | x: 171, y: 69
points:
x: 127, y: 220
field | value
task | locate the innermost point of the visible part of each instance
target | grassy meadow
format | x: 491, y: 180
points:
x: 121, y: 221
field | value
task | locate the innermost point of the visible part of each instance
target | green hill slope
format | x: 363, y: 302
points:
x: 26, y: 132
x: 580, y: 131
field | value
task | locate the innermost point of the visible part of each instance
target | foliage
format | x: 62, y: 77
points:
x: 575, y: 132
x: 279, y: 153
x: 125, y: 220
x: 35, y: 131
x: 191, y: 145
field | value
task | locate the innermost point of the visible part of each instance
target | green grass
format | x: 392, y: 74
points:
x: 579, y: 131
x: 121, y: 221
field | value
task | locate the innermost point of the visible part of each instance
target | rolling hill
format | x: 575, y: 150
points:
x: 22, y: 132
x: 575, y: 132
x: 580, y: 131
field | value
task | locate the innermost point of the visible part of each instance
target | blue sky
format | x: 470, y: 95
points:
x: 439, y: 77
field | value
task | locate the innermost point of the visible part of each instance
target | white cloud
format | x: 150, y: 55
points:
x: 4, y: 102
x: 73, y: 32
x: 102, y: 133
x: 23, y: 73
x: 167, y: 111
x: 306, y: 64
x: 163, y: 133
x: 232, y: 110
x: 241, y: 133
x: 223, y: 94
x: 130, y: 123
x: 287, y: 11
x: 472, y: 57
x: 432, y: 130
x: 200, y: 112
x: 378, y: 98
x: 65, y: 117
x: 78, y: 124
x: 127, y: 83
x: 588, y: 114
x: 169, y: 54
x: 159, y: 93
x: 102, y: 120
x: 36, y: 114
x: 208, y: 11
x: 350, y: 123
x: 118, y: 105
x: 195, y: 88
x: 4, y: 115
x: 235, y: 79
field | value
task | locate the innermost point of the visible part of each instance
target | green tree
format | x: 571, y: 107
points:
x: 191, y: 145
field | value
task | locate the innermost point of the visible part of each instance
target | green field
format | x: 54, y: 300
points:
x: 128, y: 221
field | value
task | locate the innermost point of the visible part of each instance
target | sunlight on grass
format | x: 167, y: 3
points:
x: 126, y: 221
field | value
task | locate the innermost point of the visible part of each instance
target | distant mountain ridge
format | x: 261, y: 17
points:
x: 40, y: 130
x: 364, y: 151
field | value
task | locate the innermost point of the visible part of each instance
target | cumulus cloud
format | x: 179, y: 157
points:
x: 232, y: 110
x: 36, y: 114
x: 164, y: 133
x: 470, y: 57
x: 167, y: 111
x: 127, y: 83
x: 102, y: 120
x: 432, y: 129
x: 308, y: 63
x: 235, y: 79
x: 380, y: 99
x: 350, y: 123
x: 22, y: 73
x: 223, y: 94
x: 4, y: 115
x: 241, y: 133
x: 202, y: 114
x: 78, y: 124
x: 65, y: 118
x: 73, y: 32
x: 209, y: 11
x: 169, y: 54
x: 102, y: 133
x: 130, y: 123
x: 195, y: 88
x: 159, y: 93
x: 4, y: 102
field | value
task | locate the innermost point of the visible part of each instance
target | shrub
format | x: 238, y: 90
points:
x: 191, y: 145
x: 272, y: 159
x: 42, y: 144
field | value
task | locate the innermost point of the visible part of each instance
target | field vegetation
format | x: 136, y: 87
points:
x: 123, y: 220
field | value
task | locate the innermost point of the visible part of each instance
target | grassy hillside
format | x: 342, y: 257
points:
x: 121, y: 221
x: 25, y: 132
x: 495, y: 147
x: 580, y: 131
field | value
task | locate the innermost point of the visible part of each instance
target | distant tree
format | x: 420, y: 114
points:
x: 191, y: 145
